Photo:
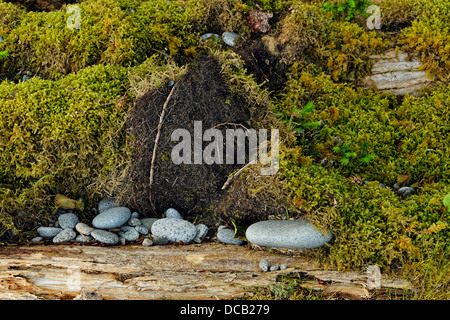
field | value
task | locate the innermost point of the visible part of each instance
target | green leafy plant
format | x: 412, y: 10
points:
x: 363, y: 156
x: 347, y: 9
x: 295, y: 119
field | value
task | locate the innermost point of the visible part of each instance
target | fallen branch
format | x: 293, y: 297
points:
x: 161, y: 119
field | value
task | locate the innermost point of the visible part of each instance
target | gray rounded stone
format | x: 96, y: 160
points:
x: 147, y: 242
x: 148, y: 222
x: 291, y: 234
x: 174, y: 230
x: 264, y: 265
x: 130, y: 235
x: 141, y: 229
x: 83, y: 228
x: 210, y: 36
x: 229, y: 38
x: 65, y: 235
x: 37, y: 239
x: 135, y: 215
x: 104, y: 236
x: 202, y: 230
x: 173, y: 213
x: 227, y: 236
x: 134, y: 222
x: 406, y: 192
x: 68, y: 220
x: 48, y: 232
x: 160, y: 240
x: 83, y: 238
x: 106, y: 204
x: 112, y: 218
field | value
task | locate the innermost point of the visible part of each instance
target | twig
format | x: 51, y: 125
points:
x: 162, y: 53
x: 161, y: 119
x: 229, y: 123
x: 234, y: 176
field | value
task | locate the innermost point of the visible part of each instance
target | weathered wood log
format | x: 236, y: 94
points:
x: 203, y: 271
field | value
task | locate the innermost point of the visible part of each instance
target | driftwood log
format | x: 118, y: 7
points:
x: 198, y: 271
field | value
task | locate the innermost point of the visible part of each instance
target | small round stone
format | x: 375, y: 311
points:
x: 229, y: 38
x: 406, y: 192
x: 275, y: 267
x: 135, y: 215
x: 83, y: 238
x: 106, y: 204
x: 65, y: 235
x: 147, y: 242
x: 134, y: 222
x: 202, y: 230
x: 130, y: 235
x: 37, y: 239
x: 104, y: 236
x: 173, y: 213
x: 264, y: 265
x: 141, y: 229
x: 68, y: 220
x: 48, y: 232
x: 227, y: 236
x: 148, y: 222
x: 283, y: 266
x: 83, y: 228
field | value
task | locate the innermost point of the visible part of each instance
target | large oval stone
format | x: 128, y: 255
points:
x: 291, y: 234
x: 174, y: 230
x: 112, y: 218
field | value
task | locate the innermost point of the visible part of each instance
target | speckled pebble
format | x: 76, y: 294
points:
x: 105, y: 236
x: 135, y: 215
x: 65, y: 235
x: 112, y: 218
x: 134, y: 222
x: 106, y: 204
x: 48, y: 232
x: 68, y: 220
x: 141, y: 229
x: 130, y: 235
x: 202, y: 230
x: 174, y: 230
x: 227, y: 236
x: 172, y: 213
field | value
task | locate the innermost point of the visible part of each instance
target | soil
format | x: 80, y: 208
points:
x: 43, y: 5
x: 201, y: 95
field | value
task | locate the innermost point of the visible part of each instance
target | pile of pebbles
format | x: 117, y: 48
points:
x: 118, y: 225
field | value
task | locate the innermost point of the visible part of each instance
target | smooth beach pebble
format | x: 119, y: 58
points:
x: 227, y: 236
x: 104, y: 236
x: 112, y: 218
x: 83, y: 228
x: 68, y: 220
x: 48, y: 232
x: 65, y: 235
x: 291, y: 234
x: 173, y: 213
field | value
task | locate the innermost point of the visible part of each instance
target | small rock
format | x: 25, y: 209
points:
x: 197, y: 240
x: 135, y: 215
x: 210, y: 37
x: 122, y: 241
x: 229, y: 38
x: 130, y: 235
x: 147, y: 242
x: 83, y: 238
x: 106, y: 204
x: 160, y: 241
x: 83, y: 228
x: 259, y: 20
x: 283, y: 266
x: 291, y: 234
x: 105, y: 236
x: 173, y: 213
x: 68, y: 220
x: 134, y: 222
x: 174, y: 230
x: 275, y: 267
x: 227, y: 236
x: 65, y: 235
x: 112, y: 218
x: 141, y: 229
x: 202, y: 230
x: 1, y: 39
x: 37, y: 239
x: 406, y: 192
x: 148, y: 222
x: 63, y: 202
x: 264, y: 265
x: 48, y: 232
